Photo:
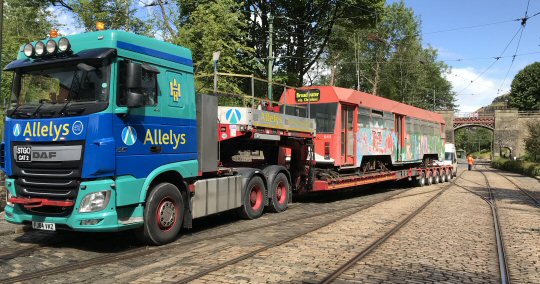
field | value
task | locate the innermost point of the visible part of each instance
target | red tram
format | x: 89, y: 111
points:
x: 360, y: 134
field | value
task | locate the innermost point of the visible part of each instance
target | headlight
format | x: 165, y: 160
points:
x: 95, y: 201
x: 29, y: 50
x: 8, y: 196
x: 51, y: 46
x: 40, y: 48
x: 63, y: 44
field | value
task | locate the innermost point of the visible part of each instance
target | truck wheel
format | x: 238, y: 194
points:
x: 429, y: 179
x: 451, y: 175
x: 279, y: 193
x: 163, y: 215
x: 253, y: 199
x: 436, y: 177
x: 421, y: 179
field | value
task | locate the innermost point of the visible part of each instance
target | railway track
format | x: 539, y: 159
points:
x: 288, y: 239
x: 533, y: 200
x: 374, y: 245
x: 501, y: 253
x: 142, y: 251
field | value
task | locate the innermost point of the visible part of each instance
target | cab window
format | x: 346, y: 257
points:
x: 149, y: 86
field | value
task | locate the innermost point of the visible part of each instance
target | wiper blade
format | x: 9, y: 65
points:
x: 41, y: 104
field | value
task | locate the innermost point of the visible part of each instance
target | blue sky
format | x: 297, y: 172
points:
x: 470, y: 51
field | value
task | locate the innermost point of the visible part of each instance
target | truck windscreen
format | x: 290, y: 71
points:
x: 57, y: 91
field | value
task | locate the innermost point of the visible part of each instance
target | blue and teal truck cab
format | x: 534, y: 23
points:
x: 105, y: 133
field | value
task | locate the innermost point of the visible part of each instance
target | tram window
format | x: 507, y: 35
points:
x: 364, y: 111
x: 389, y: 122
x: 363, y: 120
x: 324, y: 115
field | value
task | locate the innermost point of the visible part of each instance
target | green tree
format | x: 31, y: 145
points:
x: 532, y: 141
x: 24, y: 21
x: 525, y: 89
x: 301, y: 29
x: 217, y: 26
x: 389, y: 60
x: 116, y: 14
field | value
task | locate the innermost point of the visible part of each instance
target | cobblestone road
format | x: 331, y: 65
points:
x: 451, y: 240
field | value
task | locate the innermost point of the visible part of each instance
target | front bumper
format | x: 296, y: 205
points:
x: 110, y: 218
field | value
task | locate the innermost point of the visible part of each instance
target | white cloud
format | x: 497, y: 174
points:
x: 66, y: 20
x: 478, y: 93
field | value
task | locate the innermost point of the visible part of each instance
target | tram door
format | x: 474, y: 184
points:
x: 348, y: 139
x: 400, y: 119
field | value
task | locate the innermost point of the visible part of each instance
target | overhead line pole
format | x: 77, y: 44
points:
x: 270, y: 56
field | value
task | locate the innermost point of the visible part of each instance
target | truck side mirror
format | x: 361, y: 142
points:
x: 134, y: 99
x: 133, y: 75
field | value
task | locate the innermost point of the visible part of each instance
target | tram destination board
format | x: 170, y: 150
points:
x: 305, y: 96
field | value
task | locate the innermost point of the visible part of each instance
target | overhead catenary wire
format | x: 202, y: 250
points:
x: 523, y: 24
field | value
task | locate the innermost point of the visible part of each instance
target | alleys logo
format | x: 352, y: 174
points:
x: 48, y: 130
x: 154, y: 137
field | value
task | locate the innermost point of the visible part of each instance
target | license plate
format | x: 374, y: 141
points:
x: 23, y: 153
x: 43, y: 226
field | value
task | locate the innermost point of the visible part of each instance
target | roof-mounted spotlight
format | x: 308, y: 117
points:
x: 40, y: 48
x: 51, y: 46
x: 29, y: 50
x: 63, y: 45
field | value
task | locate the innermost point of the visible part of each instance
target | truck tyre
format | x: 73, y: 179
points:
x: 451, y: 175
x: 253, y: 199
x: 163, y: 215
x: 421, y: 179
x: 279, y: 193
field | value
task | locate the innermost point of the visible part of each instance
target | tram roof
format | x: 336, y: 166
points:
x: 329, y: 94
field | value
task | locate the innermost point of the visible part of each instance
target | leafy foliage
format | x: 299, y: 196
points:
x: 473, y: 139
x: 388, y: 60
x: 532, y: 141
x: 24, y: 21
x: 525, y: 89
x: 517, y: 166
x: 116, y: 14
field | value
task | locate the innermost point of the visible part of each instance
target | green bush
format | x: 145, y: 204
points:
x: 517, y: 166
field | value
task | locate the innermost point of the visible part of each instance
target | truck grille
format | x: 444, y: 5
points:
x: 58, y: 180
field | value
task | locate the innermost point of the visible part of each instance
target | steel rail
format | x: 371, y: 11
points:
x: 146, y: 250
x: 535, y: 201
x: 336, y: 273
x: 501, y: 253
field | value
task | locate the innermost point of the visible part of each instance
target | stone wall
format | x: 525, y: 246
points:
x: 523, y: 131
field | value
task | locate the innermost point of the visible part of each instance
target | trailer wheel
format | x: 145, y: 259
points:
x: 429, y: 179
x: 451, y: 175
x: 421, y: 179
x: 279, y: 193
x: 444, y: 177
x: 436, y: 177
x: 163, y: 215
x: 253, y: 199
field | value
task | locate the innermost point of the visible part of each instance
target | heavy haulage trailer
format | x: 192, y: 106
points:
x: 105, y: 133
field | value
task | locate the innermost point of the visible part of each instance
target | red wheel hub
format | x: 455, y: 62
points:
x: 281, y: 192
x: 255, y: 197
x: 166, y: 213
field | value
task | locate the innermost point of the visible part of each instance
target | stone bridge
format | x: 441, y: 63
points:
x: 509, y: 126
